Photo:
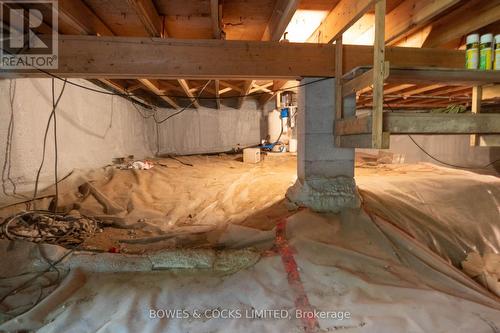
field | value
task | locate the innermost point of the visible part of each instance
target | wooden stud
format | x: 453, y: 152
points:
x: 477, y: 97
x: 378, y: 74
x: 217, y: 93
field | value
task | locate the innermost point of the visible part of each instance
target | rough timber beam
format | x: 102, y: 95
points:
x: 280, y: 18
x: 411, y: 15
x: 131, y: 57
x: 215, y: 14
x: 149, y: 17
x: 345, y: 13
x: 473, y: 15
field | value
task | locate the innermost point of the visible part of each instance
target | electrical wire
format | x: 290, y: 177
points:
x: 441, y: 161
x: 7, y: 165
x: 55, y: 103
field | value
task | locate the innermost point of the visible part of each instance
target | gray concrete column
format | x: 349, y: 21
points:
x: 325, y: 173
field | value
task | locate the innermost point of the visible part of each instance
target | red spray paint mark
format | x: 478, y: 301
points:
x: 301, y: 301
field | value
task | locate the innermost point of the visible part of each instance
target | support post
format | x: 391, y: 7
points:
x: 477, y: 96
x: 325, y: 173
x: 339, y: 99
x: 378, y: 74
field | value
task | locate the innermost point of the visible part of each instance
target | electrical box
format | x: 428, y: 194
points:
x: 251, y: 155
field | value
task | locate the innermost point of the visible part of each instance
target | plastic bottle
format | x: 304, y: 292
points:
x: 497, y: 53
x: 472, y: 52
x: 486, y: 52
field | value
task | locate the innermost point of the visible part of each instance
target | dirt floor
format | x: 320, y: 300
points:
x: 188, y: 201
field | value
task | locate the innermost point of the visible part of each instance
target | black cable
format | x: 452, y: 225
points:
x: 443, y: 162
x: 56, y: 150
x: 7, y: 165
x: 54, y: 106
x: 450, y: 164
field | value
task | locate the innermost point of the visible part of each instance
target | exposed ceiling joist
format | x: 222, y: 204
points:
x: 146, y: 10
x: 473, y: 15
x: 345, y: 13
x: 192, y: 99
x: 215, y: 14
x: 81, y: 18
x: 280, y: 18
x: 158, y: 92
x: 411, y: 15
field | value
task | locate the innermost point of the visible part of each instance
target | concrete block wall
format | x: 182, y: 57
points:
x: 317, y: 155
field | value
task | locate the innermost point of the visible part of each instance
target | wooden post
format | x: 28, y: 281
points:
x: 378, y: 74
x: 339, y: 98
x: 477, y: 96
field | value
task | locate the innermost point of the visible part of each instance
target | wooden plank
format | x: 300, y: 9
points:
x: 214, y: 12
x: 362, y: 141
x: 217, y: 94
x: 411, y: 15
x: 192, y: 99
x: 280, y: 18
x: 424, y: 123
x: 132, y: 57
x: 473, y: 15
x: 378, y: 74
x: 477, y: 97
x: 341, y: 18
x: 149, y: 17
x: 339, y: 97
x: 363, y: 81
x: 157, y: 91
x: 455, y: 77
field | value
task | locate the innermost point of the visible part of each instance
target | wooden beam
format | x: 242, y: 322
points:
x: 79, y: 17
x: 362, y: 141
x: 473, y: 15
x: 343, y: 16
x: 424, y: 123
x: 149, y: 17
x: 131, y: 57
x: 280, y: 18
x: 157, y: 91
x: 214, y: 12
x: 217, y: 94
x: 192, y: 98
x: 411, y: 15
x: 452, y: 77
